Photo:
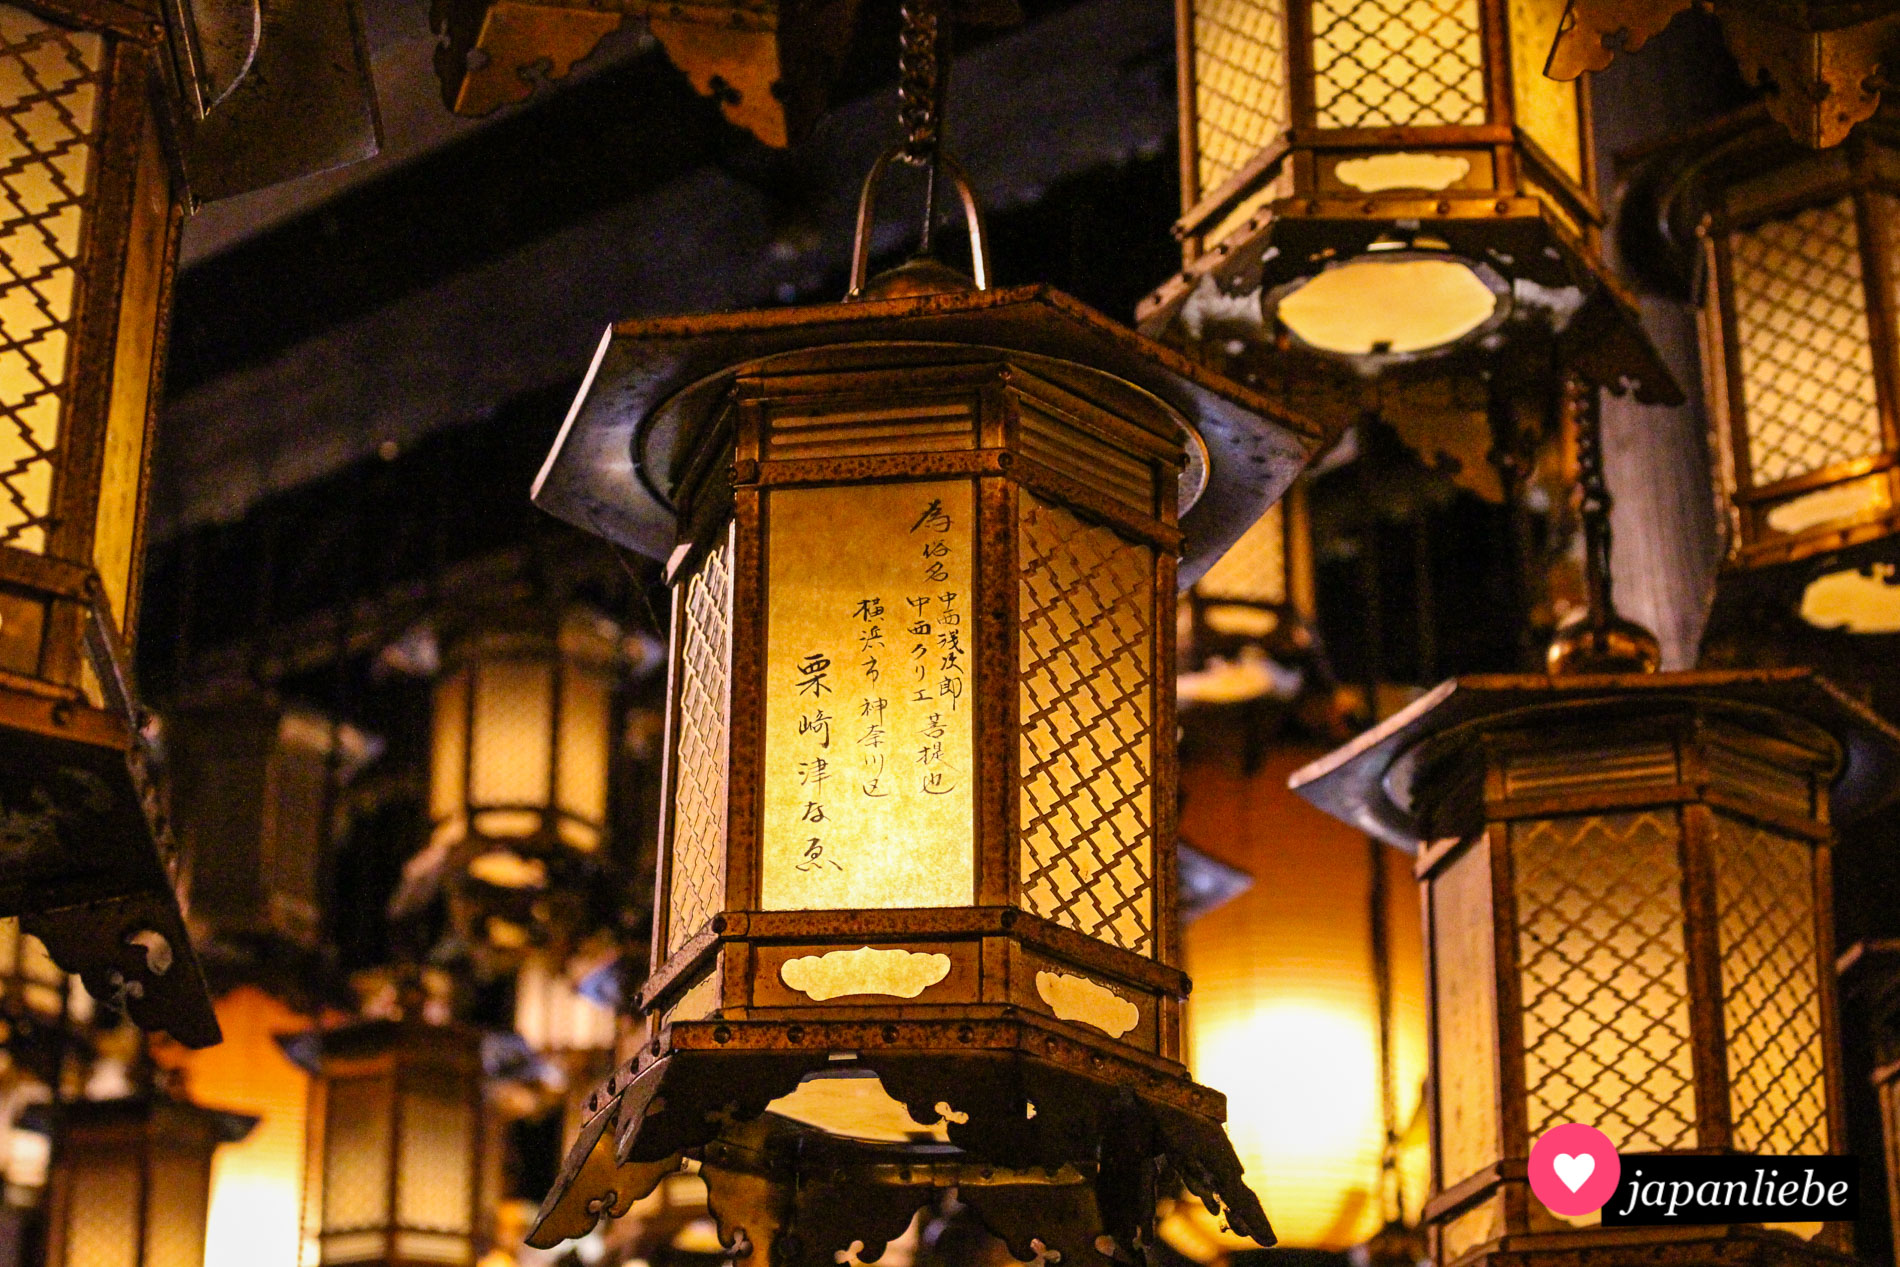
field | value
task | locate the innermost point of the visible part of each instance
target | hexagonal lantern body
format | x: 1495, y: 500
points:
x: 392, y: 1136
x: 1628, y: 924
x: 915, y: 881
x: 1373, y: 182
x: 1797, y: 281
x: 521, y: 750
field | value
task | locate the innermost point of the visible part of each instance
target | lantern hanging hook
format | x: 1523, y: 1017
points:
x: 923, y: 71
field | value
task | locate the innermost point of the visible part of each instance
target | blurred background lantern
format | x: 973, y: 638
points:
x: 395, y: 1119
x: 252, y: 795
x: 131, y: 1181
x: 522, y: 744
x: 1371, y: 184
x: 1821, y: 67
x: 893, y: 525
x: 1627, y: 920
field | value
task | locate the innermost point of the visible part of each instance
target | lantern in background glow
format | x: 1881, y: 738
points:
x: 915, y: 878
x: 1627, y: 924
x: 518, y: 781
x: 392, y: 1137
x: 1389, y: 181
x: 257, y: 1182
x: 1308, y: 1008
x: 131, y: 1180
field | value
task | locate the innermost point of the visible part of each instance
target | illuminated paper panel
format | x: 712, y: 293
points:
x: 869, y: 751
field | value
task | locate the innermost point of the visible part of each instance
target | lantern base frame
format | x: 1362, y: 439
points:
x: 89, y: 859
x: 1294, y: 238
x: 1014, y: 1094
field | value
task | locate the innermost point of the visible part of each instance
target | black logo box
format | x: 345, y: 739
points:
x: 1668, y: 1190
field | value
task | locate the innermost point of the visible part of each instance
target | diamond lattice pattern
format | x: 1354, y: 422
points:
x: 698, y: 881
x: 1087, y: 670
x: 1397, y: 63
x: 1801, y: 326
x: 50, y: 82
x: 1604, y: 977
x: 1240, y: 99
x: 1254, y: 568
x: 1771, y: 997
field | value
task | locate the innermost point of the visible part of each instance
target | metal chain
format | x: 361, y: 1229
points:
x: 920, y: 78
x: 1581, y: 402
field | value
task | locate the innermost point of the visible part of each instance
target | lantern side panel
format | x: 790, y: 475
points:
x: 581, y: 764
x: 870, y: 760
x: 356, y: 1139
x: 1604, y: 977
x: 448, y: 758
x: 177, y: 1202
x: 51, y: 85
x: 1545, y: 109
x: 1464, y: 1016
x: 1398, y: 63
x: 696, y: 884
x: 1240, y: 83
x: 437, y: 1150
x: 1254, y: 569
x: 1771, y: 997
x: 511, y: 746
x: 1806, y: 362
x: 1086, y: 668
x: 116, y: 529
x: 103, y: 1215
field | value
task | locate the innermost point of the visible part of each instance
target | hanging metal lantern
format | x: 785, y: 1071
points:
x: 392, y: 1137
x: 1373, y: 184
x: 131, y: 1181
x: 915, y: 925
x: 1823, y: 66
x: 521, y: 750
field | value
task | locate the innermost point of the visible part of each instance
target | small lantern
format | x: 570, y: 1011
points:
x: 1378, y: 182
x: 1800, y: 342
x: 131, y: 1181
x: 1823, y: 67
x: 915, y: 925
x: 1308, y: 1008
x: 392, y: 1138
x: 1627, y: 924
x: 523, y: 739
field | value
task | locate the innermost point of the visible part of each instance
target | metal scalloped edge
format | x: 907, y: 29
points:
x: 593, y: 1185
x: 1585, y: 35
x: 159, y: 983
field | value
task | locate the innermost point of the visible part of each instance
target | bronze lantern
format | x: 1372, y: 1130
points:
x: 521, y: 750
x: 1627, y: 924
x: 1374, y: 186
x: 914, y: 927
x: 131, y: 1181
x: 391, y: 1137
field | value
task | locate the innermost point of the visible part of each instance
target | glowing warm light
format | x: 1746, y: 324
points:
x: 1858, y: 602
x: 257, y: 1183
x: 1404, y: 305
x: 1284, y: 1017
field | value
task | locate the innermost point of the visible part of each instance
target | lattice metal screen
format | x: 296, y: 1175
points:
x: 356, y: 1140
x: 435, y: 1192
x: 1604, y: 977
x: 1087, y: 670
x: 1254, y: 568
x: 1771, y: 995
x: 1801, y: 325
x: 51, y: 80
x: 1240, y: 89
x: 698, y: 880
x: 103, y: 1229
x: 1397, y: 63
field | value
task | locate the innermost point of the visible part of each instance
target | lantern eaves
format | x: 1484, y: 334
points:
x: 1367, y: 782
x: 609, y: 470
